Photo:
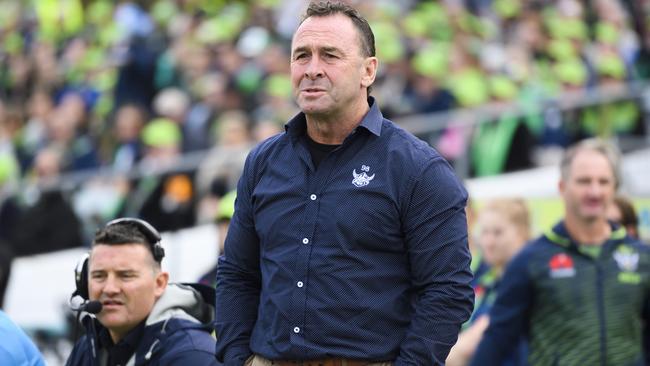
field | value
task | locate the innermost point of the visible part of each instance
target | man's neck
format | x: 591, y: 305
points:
x: 594, y: 232
x: 333, y: 129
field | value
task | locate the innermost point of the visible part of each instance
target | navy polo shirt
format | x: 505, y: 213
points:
x: 364, y: 257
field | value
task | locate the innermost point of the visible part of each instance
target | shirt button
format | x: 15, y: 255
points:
x: 305, y: 241
x: 296, y: 330
x: 300, y: 284
x: 312, y: 197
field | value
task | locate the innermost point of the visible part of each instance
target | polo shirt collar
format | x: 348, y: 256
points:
x: 372, y: 121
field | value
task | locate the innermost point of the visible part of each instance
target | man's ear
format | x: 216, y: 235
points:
x: 162, y: 278
x: 370, y: 65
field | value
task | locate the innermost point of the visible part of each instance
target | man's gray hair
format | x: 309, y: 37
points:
x: 609, y: 151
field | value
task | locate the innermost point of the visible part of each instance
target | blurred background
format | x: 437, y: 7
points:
x: 148, y: 109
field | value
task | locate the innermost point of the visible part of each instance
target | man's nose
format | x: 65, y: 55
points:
x: 595, y: 188
x: 314, y: 68
x: 111, y: 286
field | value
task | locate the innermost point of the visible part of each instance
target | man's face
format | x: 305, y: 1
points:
x: 328, y: 72
x: 589, y: 188
x: 126, y: 281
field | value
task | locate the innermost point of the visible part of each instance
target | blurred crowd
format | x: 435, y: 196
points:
x: 132, y: 87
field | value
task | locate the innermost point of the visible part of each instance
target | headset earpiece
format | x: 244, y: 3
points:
x: 81, y: 277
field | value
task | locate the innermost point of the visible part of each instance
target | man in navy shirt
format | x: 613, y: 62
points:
x: 348, y: 245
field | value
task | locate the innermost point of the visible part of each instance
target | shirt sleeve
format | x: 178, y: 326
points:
x: 509, y: 315
x: 238, y: 279
x: 191, y: 357
x: 435, y: 230
x: 645, y: 317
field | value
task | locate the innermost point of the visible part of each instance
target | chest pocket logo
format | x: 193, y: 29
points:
x: 362, y: 179
x: 626, y: 258
x: 628, y: 261
x: 561, y: 266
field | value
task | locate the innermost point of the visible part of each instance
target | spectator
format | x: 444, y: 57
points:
x: 173, y: 104
x: 225, y: 161
x: 129, y: 121
x: 225, y: 210
x: 47, y: 221
x: 166, y: 199
x: 623, y: 213
x: 504, y: 229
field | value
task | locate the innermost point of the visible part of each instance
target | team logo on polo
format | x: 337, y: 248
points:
x: 561, y: 266
x: 362, y: 179
x: 626, y: 258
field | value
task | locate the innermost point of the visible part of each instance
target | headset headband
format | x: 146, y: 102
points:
x: 151, y: 234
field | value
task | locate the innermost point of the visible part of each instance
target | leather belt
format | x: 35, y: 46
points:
x: 324, y: 362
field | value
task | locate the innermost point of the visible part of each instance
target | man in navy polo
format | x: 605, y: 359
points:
x: 348, y: 245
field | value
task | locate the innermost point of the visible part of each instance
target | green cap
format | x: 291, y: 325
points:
x: 568, y: 28
x: 561, y: 49
x: 571, y: 72
x: 8, y: 168
x: 248, y: 79
x: 13, y: 43
x: 502, y: 87
x: 610, y: 65
x: 217, y: 29
x: 387, y: 35
x: 226, y: 207
x: 415, y: 25
x: 269, y: 4
x: 507, y: 8
x: 161, y: 132
x: 278, y: 85
x: 431, y: 61
x: 99, y: 12
x: 163, y: 11
x: 469, y: 87
x: 606, y: 33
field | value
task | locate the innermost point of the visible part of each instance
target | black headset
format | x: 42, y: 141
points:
x: 151, y: 234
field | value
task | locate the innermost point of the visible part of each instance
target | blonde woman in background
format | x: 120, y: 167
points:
x: 504, y: 228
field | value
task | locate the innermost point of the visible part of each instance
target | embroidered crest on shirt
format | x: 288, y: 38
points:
x: 362, y: 179
x: 626, y: 258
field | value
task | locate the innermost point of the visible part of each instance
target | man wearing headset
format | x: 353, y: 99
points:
x: 142, y: 319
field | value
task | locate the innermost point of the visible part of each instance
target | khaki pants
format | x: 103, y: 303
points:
x: 257, y: 360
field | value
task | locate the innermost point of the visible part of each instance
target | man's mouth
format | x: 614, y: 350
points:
x: 313, y: 90
x: 593, y: 204
x: 112, y: 303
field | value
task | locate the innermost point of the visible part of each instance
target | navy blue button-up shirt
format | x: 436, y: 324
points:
x: 365, y: 257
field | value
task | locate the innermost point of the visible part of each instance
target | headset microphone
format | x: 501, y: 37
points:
x: 92, y: 307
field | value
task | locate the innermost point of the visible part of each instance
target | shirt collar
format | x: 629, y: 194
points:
x: 372, y: 121
x: 560, y: 235
x: 126, y: 345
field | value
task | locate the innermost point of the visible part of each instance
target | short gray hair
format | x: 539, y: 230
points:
x: 326, y: 8
x: 609, y: 151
